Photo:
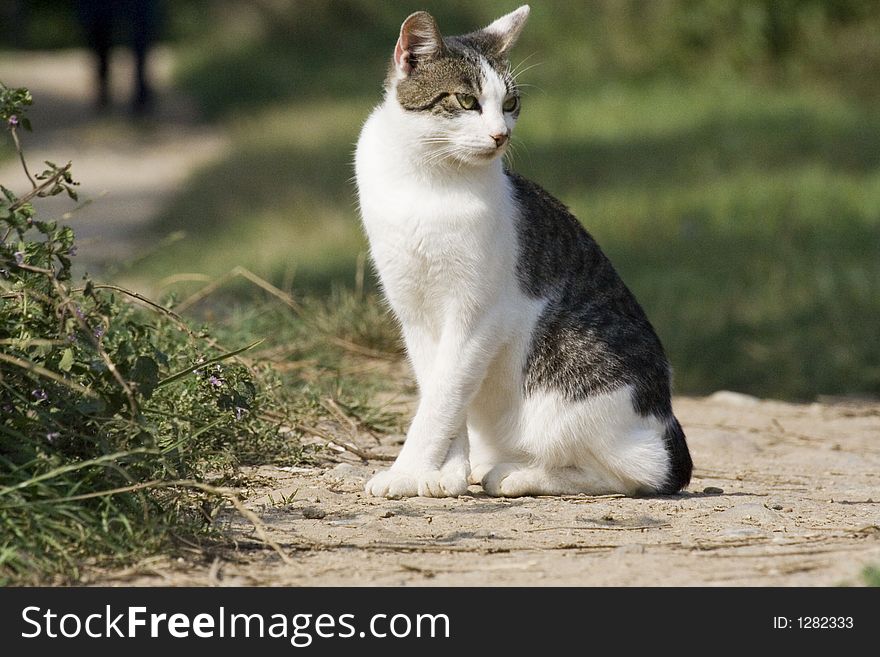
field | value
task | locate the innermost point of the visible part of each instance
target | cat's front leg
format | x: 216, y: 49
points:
x: 434, y: 459
x: 455, y: 472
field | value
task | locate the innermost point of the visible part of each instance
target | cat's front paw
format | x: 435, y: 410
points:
x: 392, y: 483
x: 432, y: 483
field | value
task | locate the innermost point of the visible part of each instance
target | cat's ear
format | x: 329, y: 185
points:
x: 503, y: 33
x: 419, y: 40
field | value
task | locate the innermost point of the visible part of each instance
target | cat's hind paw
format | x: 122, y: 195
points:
x: 512, y: 480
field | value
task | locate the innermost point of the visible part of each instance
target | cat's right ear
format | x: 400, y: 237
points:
x: 419, y: 41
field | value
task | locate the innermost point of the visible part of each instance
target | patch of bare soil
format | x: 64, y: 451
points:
x: 782, y: 495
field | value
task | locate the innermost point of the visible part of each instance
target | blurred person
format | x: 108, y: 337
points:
x: 136, y: 21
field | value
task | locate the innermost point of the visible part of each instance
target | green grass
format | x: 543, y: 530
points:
x: 60, y: 519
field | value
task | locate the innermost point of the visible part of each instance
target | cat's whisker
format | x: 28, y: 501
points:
x: 437, y: 156
x: 515, y: 75
x: 514, y: 71
x: 522, y: 61
x: 524, y: 89
x: 517, y: 142
x: 510, y: 154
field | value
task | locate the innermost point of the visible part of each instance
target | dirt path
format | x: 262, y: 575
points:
x: 129, y: 168
x: 782, y: 495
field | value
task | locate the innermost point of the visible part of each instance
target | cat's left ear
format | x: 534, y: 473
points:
x: 419, y: 40
x: 504, y: 32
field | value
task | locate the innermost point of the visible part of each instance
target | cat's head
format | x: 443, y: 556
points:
x: 459, y: 98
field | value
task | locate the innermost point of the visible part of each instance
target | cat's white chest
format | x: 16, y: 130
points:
x: 436, y: 241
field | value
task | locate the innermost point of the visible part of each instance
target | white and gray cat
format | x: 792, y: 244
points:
x: 538, y: 372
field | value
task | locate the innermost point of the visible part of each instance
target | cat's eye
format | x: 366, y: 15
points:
x: 510, y: 104
x: 467, y: 101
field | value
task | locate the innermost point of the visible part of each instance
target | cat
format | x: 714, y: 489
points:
x: 538, y: 372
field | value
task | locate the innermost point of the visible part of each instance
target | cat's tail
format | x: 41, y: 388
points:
x: 680, y: 464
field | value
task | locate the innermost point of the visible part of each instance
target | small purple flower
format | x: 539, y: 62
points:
x: 19, y: 257
x: 99, y: 332
x: 12, y: 121
x: 40, y: 394
x: 239, y: 413
x: 214, y: 381
x: 52, y: 436
x: 79, y: 312
x: 71, y: 338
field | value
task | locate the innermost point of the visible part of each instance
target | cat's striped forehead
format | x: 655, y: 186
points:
x: 463, y: 68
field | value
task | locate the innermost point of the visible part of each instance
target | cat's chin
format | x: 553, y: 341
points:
x: 480, y: 158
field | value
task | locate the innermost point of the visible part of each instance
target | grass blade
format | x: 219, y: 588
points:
x: 210, y: 361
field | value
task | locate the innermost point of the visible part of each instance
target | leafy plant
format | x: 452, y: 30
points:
x: 114, y: 410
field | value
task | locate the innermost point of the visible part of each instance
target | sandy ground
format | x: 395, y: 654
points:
x: 782, y: 495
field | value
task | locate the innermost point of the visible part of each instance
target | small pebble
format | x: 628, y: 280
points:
x: 776, y: 507
x: 387, y: 514
x: 713, y: 490
x: 313, y: 513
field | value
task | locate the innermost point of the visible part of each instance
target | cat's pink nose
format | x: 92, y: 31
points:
x: 500, y: 138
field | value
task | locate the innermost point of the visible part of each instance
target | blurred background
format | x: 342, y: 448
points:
x: 726, y: 155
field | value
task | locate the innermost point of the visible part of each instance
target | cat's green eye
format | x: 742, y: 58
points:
x: 510, y: 104
x: 467, y: 101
